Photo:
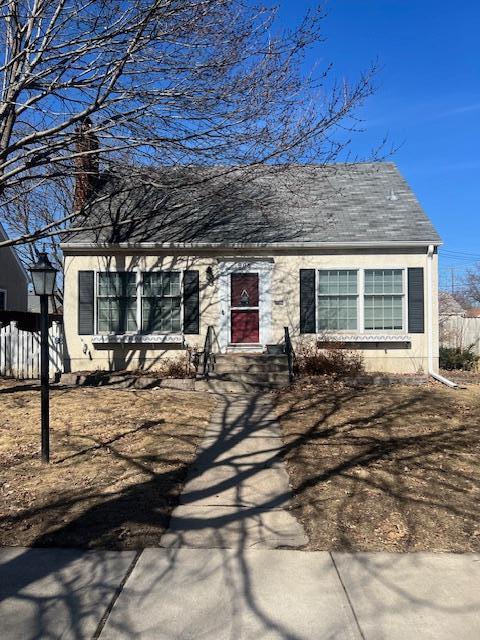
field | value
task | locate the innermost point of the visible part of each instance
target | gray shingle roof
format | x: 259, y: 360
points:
x: 307, y: 204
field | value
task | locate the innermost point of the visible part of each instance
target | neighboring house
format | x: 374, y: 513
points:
x: 341, y: 254
x: 473, y: 313
x: 452, y: 321
x: 448, y: 306
x: 13, y: 279
x: 54, y: 303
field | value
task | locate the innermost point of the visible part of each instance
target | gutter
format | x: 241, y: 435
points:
x: 128, y: 246
x: 431, y: 372
x: 443, y: 380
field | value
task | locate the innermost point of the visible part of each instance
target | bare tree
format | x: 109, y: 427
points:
x: 470, y: 289
x: 162, y: 81
x: 36, y: 210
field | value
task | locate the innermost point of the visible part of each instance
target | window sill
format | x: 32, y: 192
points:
x: 363, y: 337
x: 139, y: 338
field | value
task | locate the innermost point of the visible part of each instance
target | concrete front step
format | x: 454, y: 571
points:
x: 247, y: 372
x: 245, y: 347
x: 234, y: 386
x: 229, y: 366
x: 250, y: 363
x: 252, y: 378
x: 251, y: 358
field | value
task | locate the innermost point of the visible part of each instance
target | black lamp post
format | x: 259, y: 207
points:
x: 43, y: 277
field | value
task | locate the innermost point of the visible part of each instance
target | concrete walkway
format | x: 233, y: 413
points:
x: 243, y: 594
x: 237, y: 492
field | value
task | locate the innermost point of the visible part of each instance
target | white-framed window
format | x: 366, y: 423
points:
x: 161, y: 302
x: 361, y: 300
x: 384, y: 299
x: 116, y: 302
x: 337, y: 300
x: 129, y: 301
x: 3, y: 299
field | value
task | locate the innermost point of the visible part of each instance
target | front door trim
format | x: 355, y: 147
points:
x: 264, y: 270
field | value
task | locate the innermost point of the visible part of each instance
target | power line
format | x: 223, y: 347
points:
x: 459, y: 254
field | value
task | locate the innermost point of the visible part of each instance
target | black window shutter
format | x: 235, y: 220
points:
x: 191, y: 302
x: 86, y: 303
x: 307, y: 301
x: 416, y: 301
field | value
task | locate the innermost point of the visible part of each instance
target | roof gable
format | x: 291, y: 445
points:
x: 21, y: 268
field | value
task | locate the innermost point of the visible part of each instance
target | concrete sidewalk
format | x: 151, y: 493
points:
x: 237, y: 492
x: 246, y: 594
x: 57, y: 593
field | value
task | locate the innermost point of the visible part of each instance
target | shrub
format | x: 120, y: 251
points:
x: 456, y: 358
x: 315, y: 360
x: 175, y: 367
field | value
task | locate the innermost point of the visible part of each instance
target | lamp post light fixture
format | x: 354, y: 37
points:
x: 43, y: 277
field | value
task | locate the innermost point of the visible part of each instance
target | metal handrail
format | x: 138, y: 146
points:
x: 207, y: 352
x: 290, y: 353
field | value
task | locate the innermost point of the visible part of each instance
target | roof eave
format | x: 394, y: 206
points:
x: 144, y: 246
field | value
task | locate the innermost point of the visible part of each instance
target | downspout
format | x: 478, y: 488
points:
x: 431, y: 372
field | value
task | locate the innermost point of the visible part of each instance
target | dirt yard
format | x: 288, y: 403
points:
x: 462, y: 377
x: 118, y: 462
x: 384, y: 469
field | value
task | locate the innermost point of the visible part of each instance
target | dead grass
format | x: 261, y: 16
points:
x: 384, y: 469
x: 463, y: 377
x: 118, y: 461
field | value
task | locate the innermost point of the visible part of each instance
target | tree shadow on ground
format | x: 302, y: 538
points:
x: 371, y: 441
x: 364, y: 456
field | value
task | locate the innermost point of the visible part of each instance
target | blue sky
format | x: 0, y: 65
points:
x: 427, y: 101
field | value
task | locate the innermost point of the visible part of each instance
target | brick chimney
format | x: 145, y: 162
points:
x: 86, y: 166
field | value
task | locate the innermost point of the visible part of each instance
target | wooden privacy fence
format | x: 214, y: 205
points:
x: 20, y: 351
x: 456, y: 331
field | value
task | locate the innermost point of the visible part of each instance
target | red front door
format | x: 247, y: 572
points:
x: 244, y: 308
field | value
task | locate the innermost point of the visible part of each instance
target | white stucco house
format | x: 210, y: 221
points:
x: 341, y: 253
